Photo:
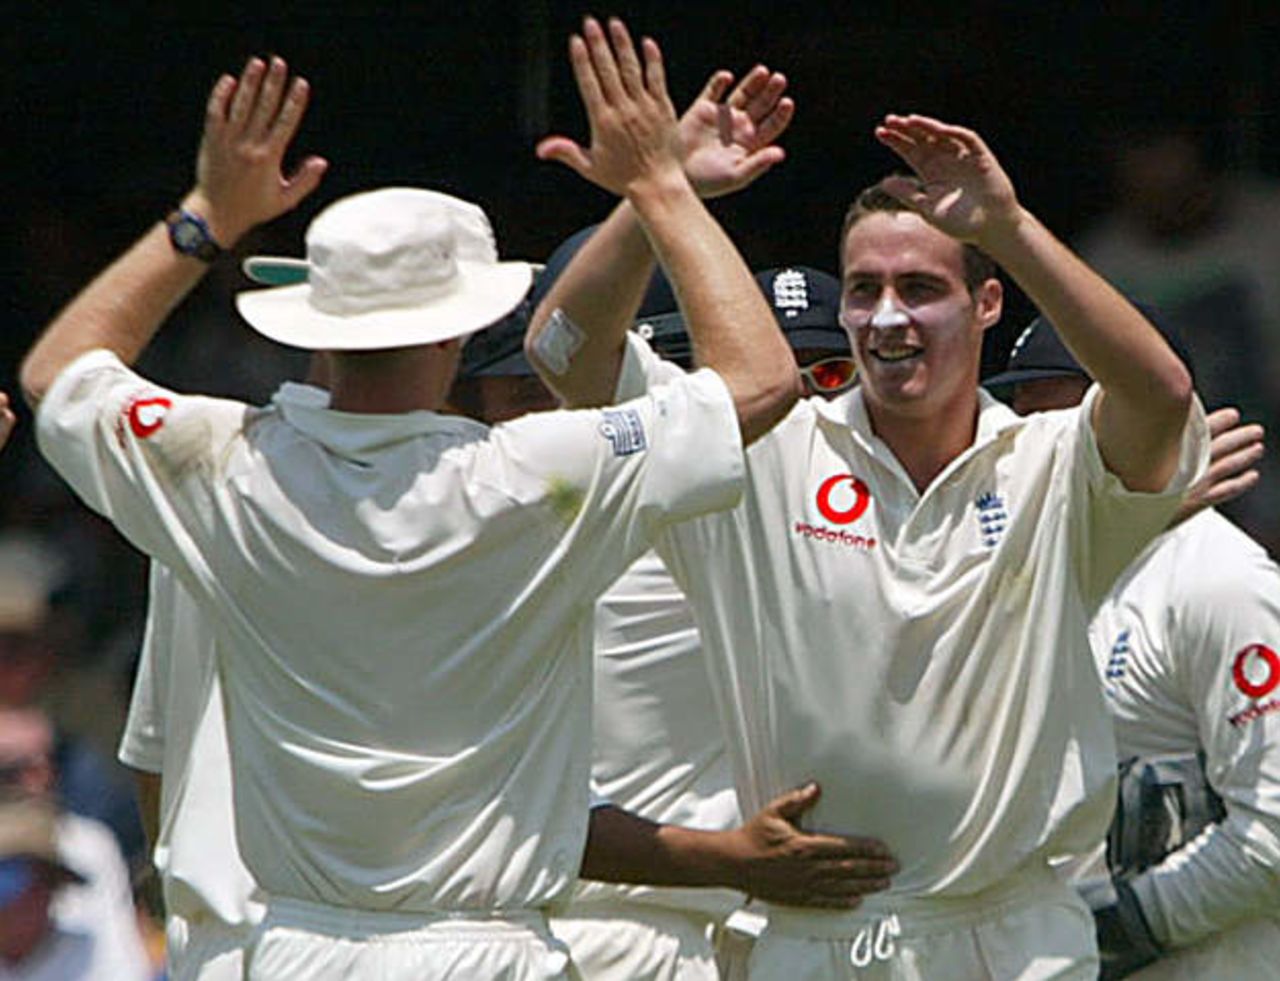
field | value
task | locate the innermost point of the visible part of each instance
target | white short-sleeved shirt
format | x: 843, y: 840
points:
x: 176, y: 728
x: 402, y: 611
x: 1188, y: 647
x: 657, y: 742
x: 924, y: 657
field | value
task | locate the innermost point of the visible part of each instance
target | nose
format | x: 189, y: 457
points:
x: 888, y: 314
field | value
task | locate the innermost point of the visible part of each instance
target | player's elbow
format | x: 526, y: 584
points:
x: 36, y: 377
x: 763, y: 400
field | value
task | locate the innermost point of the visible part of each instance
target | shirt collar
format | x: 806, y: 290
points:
x: 306, y: 408
x: 850, y: 410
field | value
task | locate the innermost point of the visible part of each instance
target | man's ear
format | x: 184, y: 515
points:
x: 989, y: 302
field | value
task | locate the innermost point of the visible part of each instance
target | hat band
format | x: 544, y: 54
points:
x: 345, y: 304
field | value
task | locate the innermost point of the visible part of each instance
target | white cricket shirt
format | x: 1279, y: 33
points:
x: 924, y: 657
x: 1188, y: 646
x: 175, y: 728
x: 402, y: 609
x: 657, y: 742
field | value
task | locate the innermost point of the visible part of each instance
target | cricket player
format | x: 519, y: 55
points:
x: 401, y: 599
x: 899, y: 606
x: 1185, y: 645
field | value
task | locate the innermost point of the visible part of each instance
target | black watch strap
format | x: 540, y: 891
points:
x: 190, y: 235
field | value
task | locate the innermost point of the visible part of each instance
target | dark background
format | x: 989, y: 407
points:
x: 104, y: 105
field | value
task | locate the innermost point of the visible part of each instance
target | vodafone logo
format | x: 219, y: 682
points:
x: 1257, y: 671
x: 146, y: 415
x: 843, y: 499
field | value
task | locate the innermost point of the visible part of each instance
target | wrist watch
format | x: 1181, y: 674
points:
x: 190, y: 235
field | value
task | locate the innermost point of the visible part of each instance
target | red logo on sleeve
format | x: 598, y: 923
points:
x: 146, y: 415
x: 848, y: 504
x: 1257, y: 671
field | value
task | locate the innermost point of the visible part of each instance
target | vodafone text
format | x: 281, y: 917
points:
x: 833, y: 536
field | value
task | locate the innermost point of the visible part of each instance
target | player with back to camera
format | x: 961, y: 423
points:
x: 410, y: 774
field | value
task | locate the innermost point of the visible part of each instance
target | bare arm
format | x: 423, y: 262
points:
x: 601, y: 288
x: 1146, y: 389
x: 769, y: 857
x: 249, y: 123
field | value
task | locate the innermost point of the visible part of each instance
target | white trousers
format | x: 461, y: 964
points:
x: 300, y: 941
x: 205, y: 949
x: 621, y: 941
x: 1027, y: 929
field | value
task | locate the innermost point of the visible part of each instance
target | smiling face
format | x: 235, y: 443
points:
x: 915, y: 327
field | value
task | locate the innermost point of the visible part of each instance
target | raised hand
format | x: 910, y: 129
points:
x: 7, y: 419
x: 783, y: 864
x: 961, y: 188
x: 1234, y: 452
x: 632, y: 121
x: 728, y: 143
x: 249, y: 124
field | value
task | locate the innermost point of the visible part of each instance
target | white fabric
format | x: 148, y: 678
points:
x: 1034, y: 928
x: 176, y: 727
x: 629, y: 941
x: 402, y: 611
x: 301, y: 941
x: 391, y: 268
x: 924, y: 657
x: 1167, y: 642
x: 658, y: 748
x: 100, y: 909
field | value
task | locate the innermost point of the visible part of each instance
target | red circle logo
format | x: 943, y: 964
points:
x: 1257, y: 670
x: 146, y: 416
x: 847, y: 516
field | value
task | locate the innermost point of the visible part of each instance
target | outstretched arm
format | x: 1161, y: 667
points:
x: 1146, y: 389
x: 725, y: 143
x: 249, y: 123
x: 769, y: 857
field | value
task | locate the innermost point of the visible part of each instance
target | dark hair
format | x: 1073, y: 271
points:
x: 978, y: 266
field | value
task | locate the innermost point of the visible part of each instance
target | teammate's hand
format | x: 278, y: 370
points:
x: 7, y: 419
x: 632, y: 121
x: 1234, y: 452
x: 249, y: 123
x: 781, y: 863
x: 961, y: 188
x: 728, y: 143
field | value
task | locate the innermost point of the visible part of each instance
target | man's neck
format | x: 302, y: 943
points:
x: 388, y: 382
x: 926, y: 444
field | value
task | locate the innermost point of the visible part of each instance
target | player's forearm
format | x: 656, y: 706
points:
x: 599, y: 292
x: 1206, y: 887
x: 1147, y: 388
x: 120, y: 310
x: 625, y: 848
x: 730, y: 325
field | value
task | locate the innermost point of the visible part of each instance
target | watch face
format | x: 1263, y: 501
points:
x: 187, y: 235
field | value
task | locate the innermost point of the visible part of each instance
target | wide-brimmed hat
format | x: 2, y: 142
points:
x: 396, y: 267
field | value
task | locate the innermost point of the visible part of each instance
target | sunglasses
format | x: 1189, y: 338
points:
x: 829, y: 376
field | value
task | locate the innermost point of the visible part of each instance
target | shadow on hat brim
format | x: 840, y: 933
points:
x: 485, y: 294
x: 1006, y: 379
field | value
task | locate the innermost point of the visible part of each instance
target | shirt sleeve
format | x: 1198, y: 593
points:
x: 1228, y: 635
x: 665, y: 456
x: 143, y: 740
x: 133, y: 450
x: 1120, y: 522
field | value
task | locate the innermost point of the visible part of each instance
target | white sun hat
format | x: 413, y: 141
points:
x: 395, y: 267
